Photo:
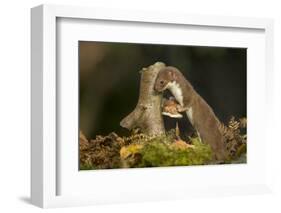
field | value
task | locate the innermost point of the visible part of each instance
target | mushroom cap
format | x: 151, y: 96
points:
x: 177, y: 115
x: 170, y: 108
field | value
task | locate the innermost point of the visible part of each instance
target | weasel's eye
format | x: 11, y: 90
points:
x: 161, y: 82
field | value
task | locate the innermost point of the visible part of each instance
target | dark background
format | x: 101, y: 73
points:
x: 109, y: 80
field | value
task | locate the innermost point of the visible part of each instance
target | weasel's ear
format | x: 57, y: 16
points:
x: 173, y: 75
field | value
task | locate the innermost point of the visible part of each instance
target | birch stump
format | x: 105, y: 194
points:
x: 147, y: 114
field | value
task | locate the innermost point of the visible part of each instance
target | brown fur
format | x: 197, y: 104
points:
x: 204, y: 119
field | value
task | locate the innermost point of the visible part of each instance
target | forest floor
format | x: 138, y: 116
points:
x: 140, y: 150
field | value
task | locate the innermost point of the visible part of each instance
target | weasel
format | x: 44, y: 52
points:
x: 199, y: 113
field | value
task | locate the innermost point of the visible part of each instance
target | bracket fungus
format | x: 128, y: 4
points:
x: 170, y: 108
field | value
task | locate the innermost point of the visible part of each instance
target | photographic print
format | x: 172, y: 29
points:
x: 152, y: 105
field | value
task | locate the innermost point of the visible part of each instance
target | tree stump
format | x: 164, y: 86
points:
x: 147, y: 114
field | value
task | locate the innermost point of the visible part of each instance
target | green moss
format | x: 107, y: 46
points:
x: 163, y: 151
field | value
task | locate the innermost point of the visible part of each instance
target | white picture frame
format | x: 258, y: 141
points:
x: 46, y: 161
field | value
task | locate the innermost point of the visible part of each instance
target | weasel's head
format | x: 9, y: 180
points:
x: 164, y: 77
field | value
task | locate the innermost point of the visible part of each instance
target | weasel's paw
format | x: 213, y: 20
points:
x: 180, y: 108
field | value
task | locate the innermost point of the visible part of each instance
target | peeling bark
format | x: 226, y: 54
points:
x: 147, y: 114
